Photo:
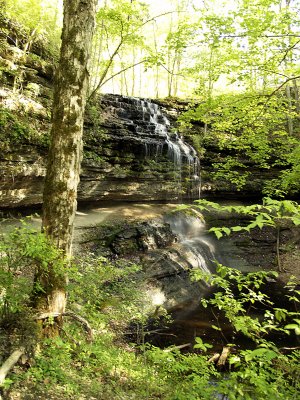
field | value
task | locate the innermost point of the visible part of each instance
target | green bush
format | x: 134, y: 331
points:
x: 15, y: 131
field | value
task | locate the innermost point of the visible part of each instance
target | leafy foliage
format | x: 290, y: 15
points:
x: 110, y: 296
x: 250, y: 131
x: 23, y: 251
x: 265, y: 371
x: 40, y: 19
x: 20, y: 132
x: 269, y: 213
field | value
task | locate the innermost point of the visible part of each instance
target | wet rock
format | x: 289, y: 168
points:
x: 166, y: 259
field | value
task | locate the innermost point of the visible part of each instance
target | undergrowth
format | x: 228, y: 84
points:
x: 110, y: 296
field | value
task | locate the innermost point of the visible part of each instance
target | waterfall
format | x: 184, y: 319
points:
x: 197, y: 248
x: 151, y: 127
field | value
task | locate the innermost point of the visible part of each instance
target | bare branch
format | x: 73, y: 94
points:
x: 120, y: 72
x: 157, y: 16
x: 104, y: 73
x: 287, y: 51
x: 181, y: 346
x: 83, y: 322
x: 243, y: 35
x: 282, y: 85
x: 214, y: 358
x: 271, y: 71
x: 170, y: 72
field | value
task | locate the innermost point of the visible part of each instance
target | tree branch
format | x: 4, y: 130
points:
x: 181, y: 346
x: 120, y: 72
x: 287, y: 51
x: 123, y: 38
x: 104, y: 73
x: 243, y: 35
x: 272, y: 72
x: 170, y: 72
x: 70, y: 314
x: 281, y: 86
x: 214, y: 358
x: 154, y: 18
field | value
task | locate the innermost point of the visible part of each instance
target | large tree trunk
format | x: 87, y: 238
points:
x: 65, y: 153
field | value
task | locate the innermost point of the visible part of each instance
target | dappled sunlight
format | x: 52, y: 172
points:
x: 157, y: 297
x: 123, y: 211
x: 17, y: 101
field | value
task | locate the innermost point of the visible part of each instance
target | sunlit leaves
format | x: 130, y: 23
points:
x: 24, y: 251
x: 270, y: 213
x: 41, y: 19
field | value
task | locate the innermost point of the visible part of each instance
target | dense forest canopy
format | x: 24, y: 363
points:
x: 181, y: 47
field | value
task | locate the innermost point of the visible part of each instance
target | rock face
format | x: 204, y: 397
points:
x: 169, y: 247
x: 129, y: 154
x: 165, y: 259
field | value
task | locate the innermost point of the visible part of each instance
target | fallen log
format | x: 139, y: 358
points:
x: 10, y: 363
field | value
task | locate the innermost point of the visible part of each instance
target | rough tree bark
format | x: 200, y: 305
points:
x: 65, y: 153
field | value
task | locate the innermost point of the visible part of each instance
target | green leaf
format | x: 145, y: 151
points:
x: 216, y: 328
x: 217, y: 232
x: 296, y: 220
x: 200, y: 345
x: 294, y: 327
x: 234, y: 359
x: 237, y: 228
x: 226, y: 230
x: 261, y: 352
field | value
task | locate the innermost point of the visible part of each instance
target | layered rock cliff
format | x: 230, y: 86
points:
x: 129, y: 154
x: 131, y: 149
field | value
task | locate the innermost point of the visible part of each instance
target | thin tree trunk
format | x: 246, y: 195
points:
x: 65, y: 153
x: 178, y: 65
x: 96, y: 57
x: 170, y: 93
x: 297, y: 100
x: 290, y: 109
x: 133, y: 73
x: 140, y: 76
x: 297, y: 103
x: 278, y: 249
x: 156, y: 53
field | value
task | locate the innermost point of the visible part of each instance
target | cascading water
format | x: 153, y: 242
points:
x: 196, y: 246
x: 152, y: 128
x: 195, y: 249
